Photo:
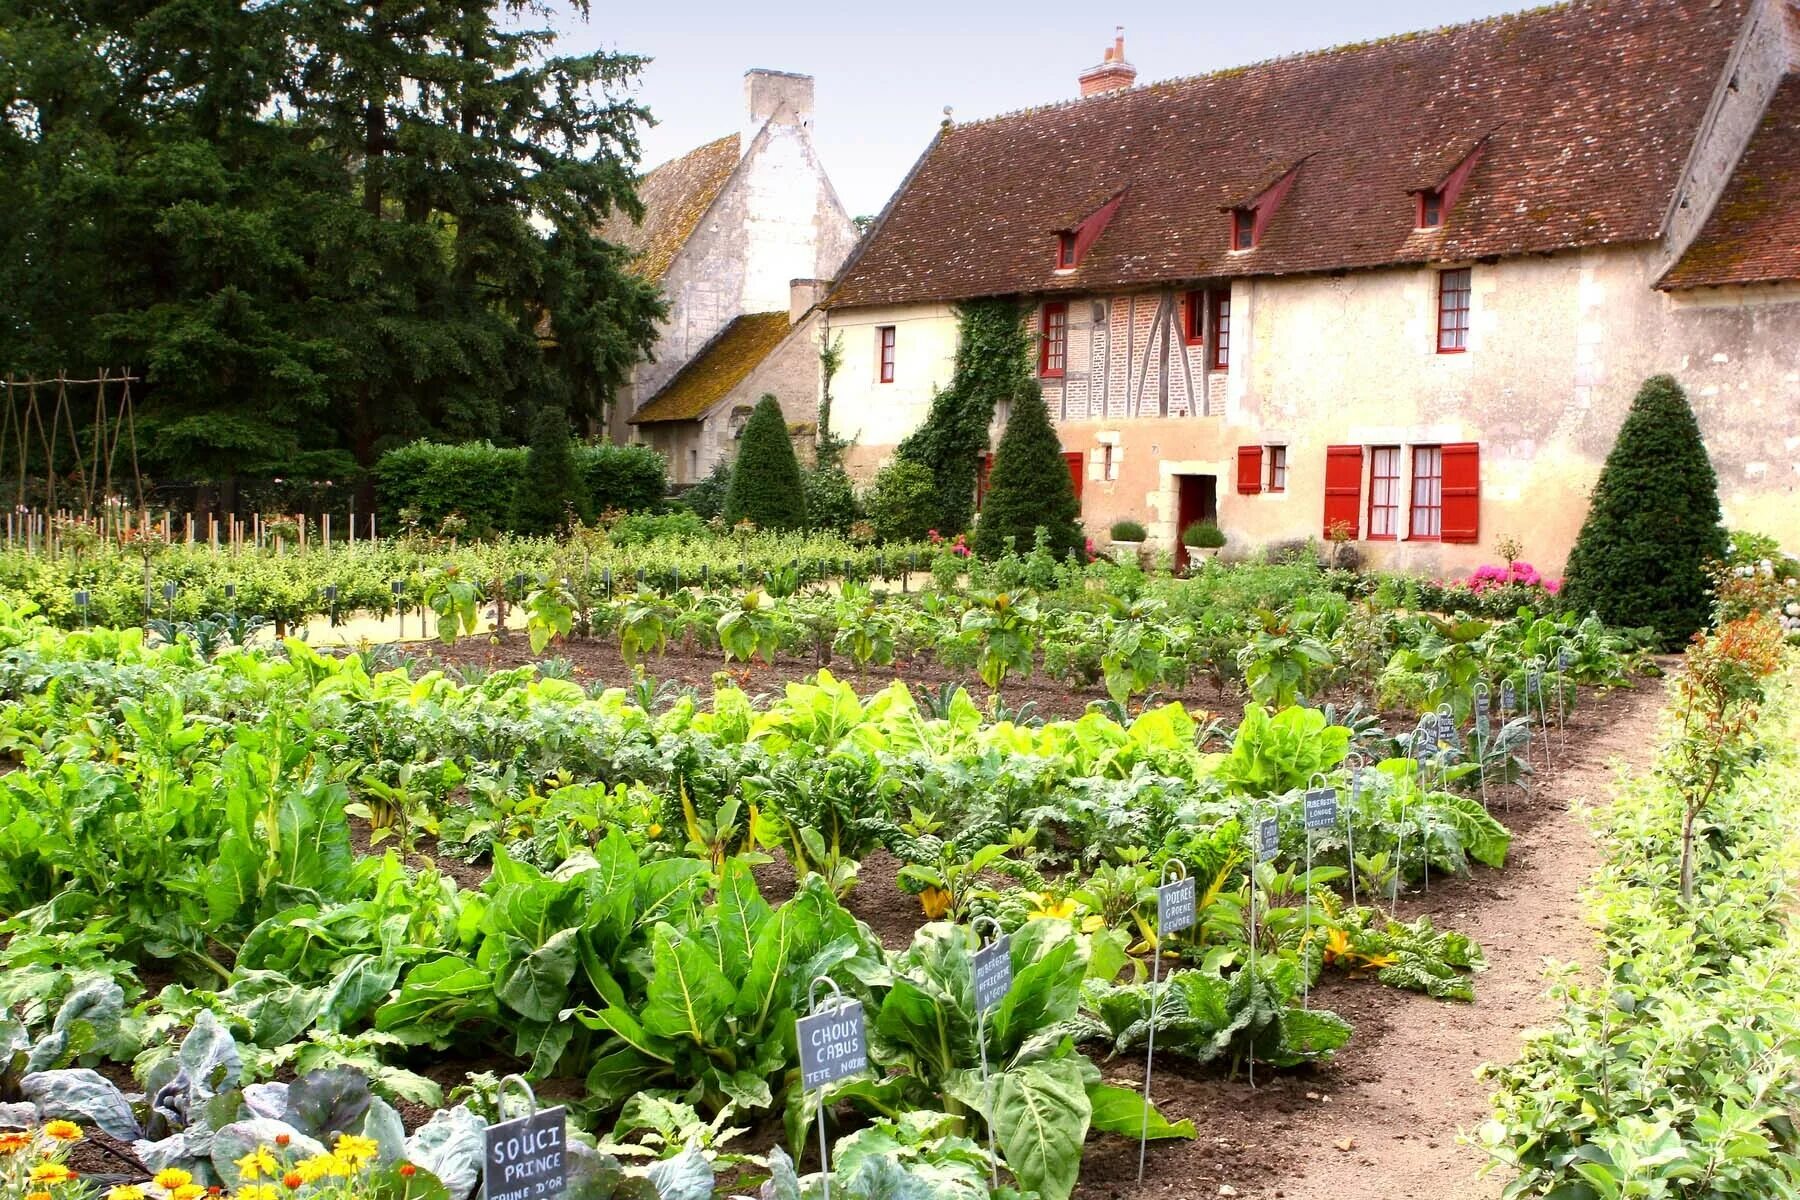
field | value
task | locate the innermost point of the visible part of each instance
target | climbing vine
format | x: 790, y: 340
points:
x: 993, y: 364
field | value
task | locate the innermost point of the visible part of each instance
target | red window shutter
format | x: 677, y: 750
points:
x: 1249, y: 480
x: 1343, y: 488
x: 1462, y: 492
x: 1077, y: 475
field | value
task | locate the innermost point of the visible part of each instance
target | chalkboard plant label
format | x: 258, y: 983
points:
x: 525, y: 1157
x: 993, y: 973
x: 1321, y: 808
x: 1174, y: 906
x: 834, y: 1044
x: 1268, y: 839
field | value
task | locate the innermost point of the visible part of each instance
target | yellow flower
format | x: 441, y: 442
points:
x: 259, y: 1163
x: 170, y: 1178
x: 319, y: 1166
x: 51, y: 1172
x: 125, y: 1192
x: 935, y: 902
x: 655, y: 830
x: 1093, y: 923
x: 62, y: 1131
x: 37, y: 1196
x: 12, y: 1142
x: 187, y: 1191
x: 355, y: 1150
x: 1050, y: 906
x: 255, y: 1191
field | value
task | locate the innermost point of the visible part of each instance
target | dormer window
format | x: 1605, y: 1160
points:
x: 1243, y: 229
x: 1431, y: 208
x: 1065, y: 250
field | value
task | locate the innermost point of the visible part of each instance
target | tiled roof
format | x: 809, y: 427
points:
x: 1753, y: 235
x: 1589, y: 111
x: 675, y: 195
x: 720, y: 366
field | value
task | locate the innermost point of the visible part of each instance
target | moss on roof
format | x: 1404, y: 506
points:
x: 710, y: 375
x: 675, y: 196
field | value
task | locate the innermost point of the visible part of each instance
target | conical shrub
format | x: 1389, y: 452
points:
x: 550, y: 490
x: 766, y: 486
x: 1029, y: 486
x: 1653, y: 524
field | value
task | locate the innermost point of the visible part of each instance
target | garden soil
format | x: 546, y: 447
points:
x: 1382, y: 1120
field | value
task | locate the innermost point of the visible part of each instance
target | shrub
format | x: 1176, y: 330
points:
x: 1128, y: 531
x: 902, y: 502
x: 637, y: 529
x: 478, y: 480
x: 549, y: 492
x: 1653, y: 524
x: 707, y: 498
x: 1029, y: 487
x: 1204, y: 534
x: 766, y: 487
x: 830, y: 499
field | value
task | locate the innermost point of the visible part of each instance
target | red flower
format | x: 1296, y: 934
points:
x: 292, y: 1180
x: 282, y: 1139
x: 407, y: 1170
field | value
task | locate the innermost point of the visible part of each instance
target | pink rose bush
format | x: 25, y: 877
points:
x: 1524, y: 574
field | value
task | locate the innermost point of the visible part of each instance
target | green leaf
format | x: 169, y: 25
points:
x: 537, y: 986
x: 688, y: 994
x: 1121, y: 1110
x: 1041, y: 1114
x: 742, y: 913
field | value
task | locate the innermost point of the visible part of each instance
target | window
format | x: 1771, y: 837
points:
x: 1243, y: 229
x: 884, y: 339
x: 1065, y: 250
x: 693, y: 465
x: 1427, y: 492
x: 1220, y: 358
x: 1431, y: 208
x: 1193, y: 324
x: 1277, y: 457
x: 1108, y: 469
x: 1053, y: 340
x: 1453, y: 311
x: 1384, y: 491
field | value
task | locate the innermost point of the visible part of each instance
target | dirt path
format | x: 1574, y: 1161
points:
x: 1380, y: 1122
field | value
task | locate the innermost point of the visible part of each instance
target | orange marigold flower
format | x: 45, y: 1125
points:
x: 51, y: 1172
x: 282, y: 1139
x: 37, y: 1196
x: 292, y: 1180
x: 407, y: 1170
x: 13, y: 1142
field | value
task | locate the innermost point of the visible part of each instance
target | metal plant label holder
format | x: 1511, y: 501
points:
x: 1483, y: 703
x: 991, y: 974
x: 1563, y: 663
x: 834, y: 1044
x: 1175, y: 904
x: 525, y: 1158
x: 1319, y: 806
x: 83, y: 599
x: 1534, y: 690
x: 1355, y: 763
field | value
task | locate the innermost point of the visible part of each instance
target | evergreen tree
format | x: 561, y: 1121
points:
x: 993, y: 366
x: 315, y: 230
x: 1653, y: 523
x: 1029, y: 486
x: 766, y: 487
x: 550, y: 489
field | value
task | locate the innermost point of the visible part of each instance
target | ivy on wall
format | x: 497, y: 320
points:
x: 993, y: 365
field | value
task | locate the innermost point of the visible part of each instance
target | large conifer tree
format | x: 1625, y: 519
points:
x: 1653, y: 523
x: 1029, y: 486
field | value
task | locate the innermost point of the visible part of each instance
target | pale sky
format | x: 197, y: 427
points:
x: 884, y: 71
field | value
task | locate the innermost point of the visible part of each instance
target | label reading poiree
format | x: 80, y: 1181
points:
x: 1175, y: 906
x: 993, y: 973
x: 1268, y: 839
x: 833, y: 1044
x: 524, y: 1157
x: 1321, y: 808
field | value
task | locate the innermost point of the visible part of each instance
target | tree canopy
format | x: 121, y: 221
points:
x: 316, y: 229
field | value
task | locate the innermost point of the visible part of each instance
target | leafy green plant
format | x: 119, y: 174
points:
x: 455, y: 601
x: 1283, y: 658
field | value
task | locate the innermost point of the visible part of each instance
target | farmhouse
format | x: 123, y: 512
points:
x: 1402, y: 290
x: 738, y: 232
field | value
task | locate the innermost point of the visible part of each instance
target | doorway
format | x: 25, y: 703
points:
x: 1196, y: 499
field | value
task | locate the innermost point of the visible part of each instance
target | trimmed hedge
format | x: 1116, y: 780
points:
x: 478, y: 480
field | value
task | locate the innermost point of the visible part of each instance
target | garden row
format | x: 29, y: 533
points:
x: 182, y: 893
x: 1675, y: 1070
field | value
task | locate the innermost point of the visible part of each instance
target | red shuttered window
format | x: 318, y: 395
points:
x: 1453, y: 311
x: 1220, y: 358
x: 1427, y: 493
x: 884, y: 341
x: 1461, y: 489
x: 1065, y: 251
x: 1343, y: 487
x: 1053, y: 340
x: 1384, y: 492
x: 1249, y: 480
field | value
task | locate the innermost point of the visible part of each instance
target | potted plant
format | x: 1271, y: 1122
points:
x: 1127, y: 539
x: 1203, y: 540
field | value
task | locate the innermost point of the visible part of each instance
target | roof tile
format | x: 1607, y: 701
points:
x: 720, y: 366
x: 675, y: 196
x: 1753, y: 234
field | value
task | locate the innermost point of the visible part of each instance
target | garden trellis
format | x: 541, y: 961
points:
x: 37, y: 414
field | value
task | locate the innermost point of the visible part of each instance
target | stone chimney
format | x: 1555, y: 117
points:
x: 1113, y: 72
x: 779, y: 96
x: 803, y: 294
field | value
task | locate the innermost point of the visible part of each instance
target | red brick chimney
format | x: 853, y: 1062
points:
x: 1113, y: 72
